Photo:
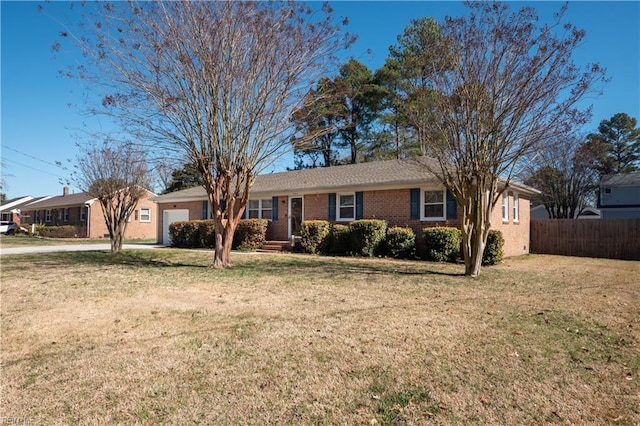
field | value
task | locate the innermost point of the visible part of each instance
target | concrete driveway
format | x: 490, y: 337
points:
x: 72, y: 247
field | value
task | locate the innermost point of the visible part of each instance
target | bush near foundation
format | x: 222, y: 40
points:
x: 493, y: 251
x: 442, y: 243
x: 366, y: 235
x: 314, y: 235
x: 400, y: 243
x: 65, y: 231
x: 338, y: 242
x: 192, y: 234
x: 250, y: 234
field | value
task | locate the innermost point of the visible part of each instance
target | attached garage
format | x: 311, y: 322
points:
x: 168, y: 217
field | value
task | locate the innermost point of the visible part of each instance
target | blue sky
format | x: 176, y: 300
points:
x: 39, y: 119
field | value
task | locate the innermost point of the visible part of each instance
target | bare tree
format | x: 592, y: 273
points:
x: 564, y: 173
x: 510, y: 89
x: 213, y: 81
x: 117, y: 176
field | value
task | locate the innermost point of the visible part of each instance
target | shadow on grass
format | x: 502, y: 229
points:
x: 255, y: 265
x: 354, y: 265
x: 137, y: 258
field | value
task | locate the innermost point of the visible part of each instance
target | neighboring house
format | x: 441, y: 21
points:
x: 401, y: 192
x: 620, y: 196
x: 11, y: 210
x: 540, y: 212
x: 85, y: 213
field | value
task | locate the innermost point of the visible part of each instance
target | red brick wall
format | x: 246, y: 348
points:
x: 516, y: 234
x: 390, y: 205
x: 136, y: 229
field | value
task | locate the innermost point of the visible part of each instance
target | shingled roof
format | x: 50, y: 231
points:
x: 60, y: 201
x: 624, y: 179
x: 374, y: 175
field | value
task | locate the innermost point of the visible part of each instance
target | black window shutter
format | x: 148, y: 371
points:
x: 332, y: 206
x: 205, y: 209
x: 415, y: 203
x: 359, y: 206
x: 274, y: 208
x: 451, y: 206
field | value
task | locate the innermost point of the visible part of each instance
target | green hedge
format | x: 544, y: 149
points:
x: 65, y: 231
x: 314, y: 236
x: 400, y: 243
x: 366, y: 235
x: 493, y: 251
x: 193, y: 234
x: 442, y: 243
x: 338, y: 242
x: 250, y: 234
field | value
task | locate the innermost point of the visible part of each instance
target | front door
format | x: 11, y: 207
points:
x: 296, y: 217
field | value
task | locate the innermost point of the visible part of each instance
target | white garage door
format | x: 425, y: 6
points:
x: 168, y: 218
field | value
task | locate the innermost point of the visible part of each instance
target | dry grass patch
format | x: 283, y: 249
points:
x: 158, y: 337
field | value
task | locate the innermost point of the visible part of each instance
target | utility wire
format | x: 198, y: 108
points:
x: 34, y: 158
x: 32, y: 168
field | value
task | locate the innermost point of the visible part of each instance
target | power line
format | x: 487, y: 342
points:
x: 34, y: 158
x: 32, y: 168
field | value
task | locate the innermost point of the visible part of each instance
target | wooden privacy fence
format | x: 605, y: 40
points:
x: 607, y: 238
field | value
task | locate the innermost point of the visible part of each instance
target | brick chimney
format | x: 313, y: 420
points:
x: 65, y: 191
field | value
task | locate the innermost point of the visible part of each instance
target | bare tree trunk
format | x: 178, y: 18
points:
x: 224, y: 243
x: 218, y: 253
x: 117, y: 237
x: 475, y: 230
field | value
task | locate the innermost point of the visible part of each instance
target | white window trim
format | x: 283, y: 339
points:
x: 65, y: 213
x: 142, y: 214
x: 345, y: 219
x: 260, y: 209
x: 83, y: 214
x: 505, y: 206
x: 48, y: 216
x: 444, y: 205
x: 516, y: 208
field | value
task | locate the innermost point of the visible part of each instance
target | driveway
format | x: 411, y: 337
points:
x: 78, y: 247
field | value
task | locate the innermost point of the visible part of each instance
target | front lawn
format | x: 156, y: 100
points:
x: 22, y: 240
x: 155, y: 336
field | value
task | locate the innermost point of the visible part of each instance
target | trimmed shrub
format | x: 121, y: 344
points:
x: 338, y: 241
x: 314, y: 235
x: 493, y: 251
x: 192, y: 234
x: 366, y: 236
x: 400, y: 243
x: 65, y: 231
x: 250, y: 234
x: 442, y: 243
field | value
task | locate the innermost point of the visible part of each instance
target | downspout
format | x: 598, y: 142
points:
x: 88, y: 206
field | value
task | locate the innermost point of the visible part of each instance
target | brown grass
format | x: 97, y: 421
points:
x: 157, y: 337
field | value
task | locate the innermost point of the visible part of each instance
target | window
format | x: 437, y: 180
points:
x: 83, y: 213
x: 346, y: 206
x: 37, y: 216
x: 433, y: 204
x: 47, y: 216
x: 516, y: 212
x: 505, y: 207
x: 260, y: 209
x: 145, y: 215
x: 66, y: 215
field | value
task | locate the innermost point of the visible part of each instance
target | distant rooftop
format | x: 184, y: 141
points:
x: 625, y: 179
